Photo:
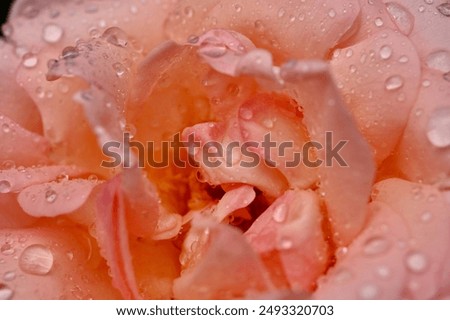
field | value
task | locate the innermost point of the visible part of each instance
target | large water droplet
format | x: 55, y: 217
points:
x: 36, y: 259
x: 368, y: 292
x: 5, y: 186
x: 52, y: 33
x: 401, y: 16
x: 50, y: 196
x: 444, y: 9
x: 385, y: 52
x: 438, y: 128
x: 280, y: 213
x: 416, y: 262
x: 393, y: 83
x: 6, y: 293
x: 116, y: 37
x: 375, y: 246
x: 439, y: 60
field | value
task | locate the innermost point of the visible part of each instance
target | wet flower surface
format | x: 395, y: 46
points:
x: 216, y: 149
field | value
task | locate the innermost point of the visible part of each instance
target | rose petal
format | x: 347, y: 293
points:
x: 13, y: 216
x: 228, y: 269
x: 395, y: 257
x: 275, y: 25
x: 55, y: 198
x: 291, y: 230
x: 380, y: 102
x: 52, y: 264
x: 424, y: 152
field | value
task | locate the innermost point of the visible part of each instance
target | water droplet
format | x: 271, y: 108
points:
x: 52, y: 33
x: 401, y: 16
x: 439, y: 60
x: 30, y: 60
x: 403, y: 59
x: 280, y: 213
x: 438, y: 128
x: 30, y: 11
x: 444, y: 9
x: 332, y: 13
x: 119, y: 69
x: 426, y: 216
x: 426, y: 83
x: 368, y: 292
x: 246, y: 113
x: 285, y: 244
x: 385, y: 52
x: 5, y: 186
x: 91, y: 8
x: 6, y: 293
x: 6, y: 128
x: 383, y: 272
x: 133, y: 9
x: 9, y: 276
x: 189, y: 12
x: 342, y: 276
x: 36, y: 259
x: 393, y: 83
x: 375, y: 246
x: 7, y: 249
x: 268, y: 123
x: 281, y: 12
x: 50, y: 196
x: 353, y: 68
x: 93, y: 178
x: 379, y: 22
x: 349, y: 53
x: 69, y: 255
x: 7, y: 30
x: 421, y: 9
x: 259, y: 25
x: 237, y: 8
x: 116, y: 37
x: 69, y: 53
x: 193, y: 39
x: 416, y: 262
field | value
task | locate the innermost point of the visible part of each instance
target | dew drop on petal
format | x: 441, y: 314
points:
x: 368, y: 292
x: 7, y: 249
x: 280, y: 213
x: 375, y: 246
x: 383, y: 272
x: 426, y: 216
x: 119, y: 69
x: 214, y: 51
x: 9, y: 276
x: 116, y: 37
x: 416, y: 262
x: 393, y: 83
x: 6, y: 293
x: 285, y: 244
x: 438, y: 128
x: 69, y: 53
x: 29, y: 60
x: 50, y: 196
x: 401, y: 16
x: 444, y: 9
x: 385, y: 52
x: 403, y: 59
x: 52, y: 33
x: 439, y: 60
x: 5, y: 186
x: 332, y: 13
x: 36, y: 259
x: 342, y: 276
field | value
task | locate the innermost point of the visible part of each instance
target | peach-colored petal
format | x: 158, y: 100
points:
x: 21, y: 147
x: 380, y: 101
x: 291, y: 229
x: 276, y: 115
x: 261, y: 176
x: 274, y: 26
x: 324, y: 111
x: 395, y: 256
x: 112, y: 235
x: 424, y: 151
x: 229, y: 268
x: 53, y: 263
x: 55, y: 198
x: 431, y: 20
x: 12, y: 215
x: 16, y: 104
x: 18, y: 179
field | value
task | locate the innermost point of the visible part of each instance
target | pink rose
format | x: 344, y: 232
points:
x: 213, y: 149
